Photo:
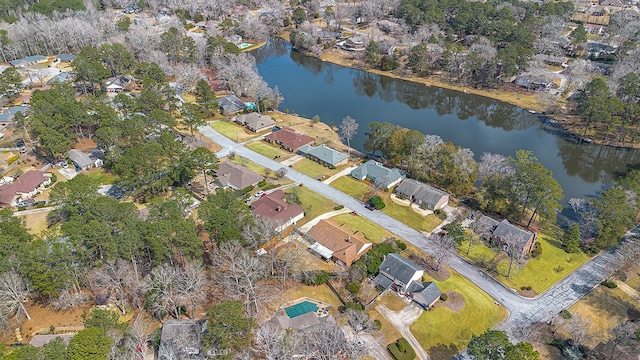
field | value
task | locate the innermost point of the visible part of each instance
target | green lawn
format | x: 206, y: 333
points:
x: 268, y: 150
x: 372, y: 231
x: 313, y: 169
x: 351, y: 186
x: 261, y: 170
x: 313, y: 203
x: 361, y: 189
x: 258, y: 169
x: 407, y: 215
x: 101, y: 177
x: 443, y: 326
x: 553, y: 265
x: 231, y: 130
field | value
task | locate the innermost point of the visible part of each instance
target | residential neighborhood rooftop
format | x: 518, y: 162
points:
x: 324, y: 154
x: 289, y: 139
x: 236, y: 176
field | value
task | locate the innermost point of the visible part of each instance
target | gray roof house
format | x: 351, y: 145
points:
x: 29, y: 60
x: 6, y: 117
x: 82, y: 160
x: 380, y: 175
x: 425, y: 293
x: 405, y: 277
x: 61, y: 78
x: 236, y: 176
x: 42, y: 340
x: 255, y: 122
x: 427, y: 197
x: 65, y: 57
x: 324, y: 154
x: 533, y: 82
x: 398, y: 272
x: 230, y: 104
x: 181, y: 339
x: 505, y: 234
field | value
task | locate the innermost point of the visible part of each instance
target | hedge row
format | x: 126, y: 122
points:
x: 401, y: 350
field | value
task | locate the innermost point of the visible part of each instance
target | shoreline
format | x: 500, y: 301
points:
x: 526, y: 101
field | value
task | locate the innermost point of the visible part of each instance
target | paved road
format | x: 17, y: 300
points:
x: 35, y: 211
x: 522, y: 311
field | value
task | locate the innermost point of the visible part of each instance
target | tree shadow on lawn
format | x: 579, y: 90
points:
x: 443, y: 352
x: 429, y: 267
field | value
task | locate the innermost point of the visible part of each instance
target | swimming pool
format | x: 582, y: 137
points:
x: 244, y: 45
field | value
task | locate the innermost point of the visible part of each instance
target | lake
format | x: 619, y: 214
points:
x: 313, y: 87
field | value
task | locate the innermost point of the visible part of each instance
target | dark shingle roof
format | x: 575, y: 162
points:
x: 399, y: 268
x: 423, y: 194
x: 382, y: 281
x: 377, y: 172
x: 231, y: 103
x: 511, y: 234
x: 8, y: 115
x: 324, y: 153
x: 28, y: 60
x: 425, y: 293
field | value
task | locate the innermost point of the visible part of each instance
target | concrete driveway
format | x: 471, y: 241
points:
x: 523, y: 312
x: 402, y: 320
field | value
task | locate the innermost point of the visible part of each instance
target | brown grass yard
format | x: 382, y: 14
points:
x: 604, y: 309
x: 35, y: 223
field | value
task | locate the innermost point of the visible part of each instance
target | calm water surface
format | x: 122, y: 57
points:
x: 313, y: 87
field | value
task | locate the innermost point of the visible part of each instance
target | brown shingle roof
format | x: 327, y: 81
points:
x: 274, y: 208
x: 26, y: 183
x: 236, y: 175
x: 346, y: 246
x: 289, y: 138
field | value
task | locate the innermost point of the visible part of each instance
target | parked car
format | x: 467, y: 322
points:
x: 260, y: 194
x: 23, y: 204
x: 369, y: 206
x: 38, y: 203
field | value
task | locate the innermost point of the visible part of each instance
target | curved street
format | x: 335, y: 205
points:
x: 522, y: 311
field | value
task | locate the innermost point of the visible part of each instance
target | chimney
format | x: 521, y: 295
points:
x: 349, y: 238
x: 279, y: 208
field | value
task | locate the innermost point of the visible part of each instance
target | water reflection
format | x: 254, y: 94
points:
x: 311, y: 86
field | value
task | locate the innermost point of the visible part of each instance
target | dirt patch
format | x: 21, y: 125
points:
x: 455, y: 301
x: 429, y: 267
x: 528, y: 293
x: 42, y: 318
x: 85, y: 144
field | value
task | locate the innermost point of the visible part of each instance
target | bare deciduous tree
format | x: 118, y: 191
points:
x: 491, y: 165
x: 119, y: 279
x: 191, y: 285
x: 161, y: 292
x: 240, y: 273
x: 441, y: 246
x: 13, y: 292
x: 348, y: 129
x: 359, y: 321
